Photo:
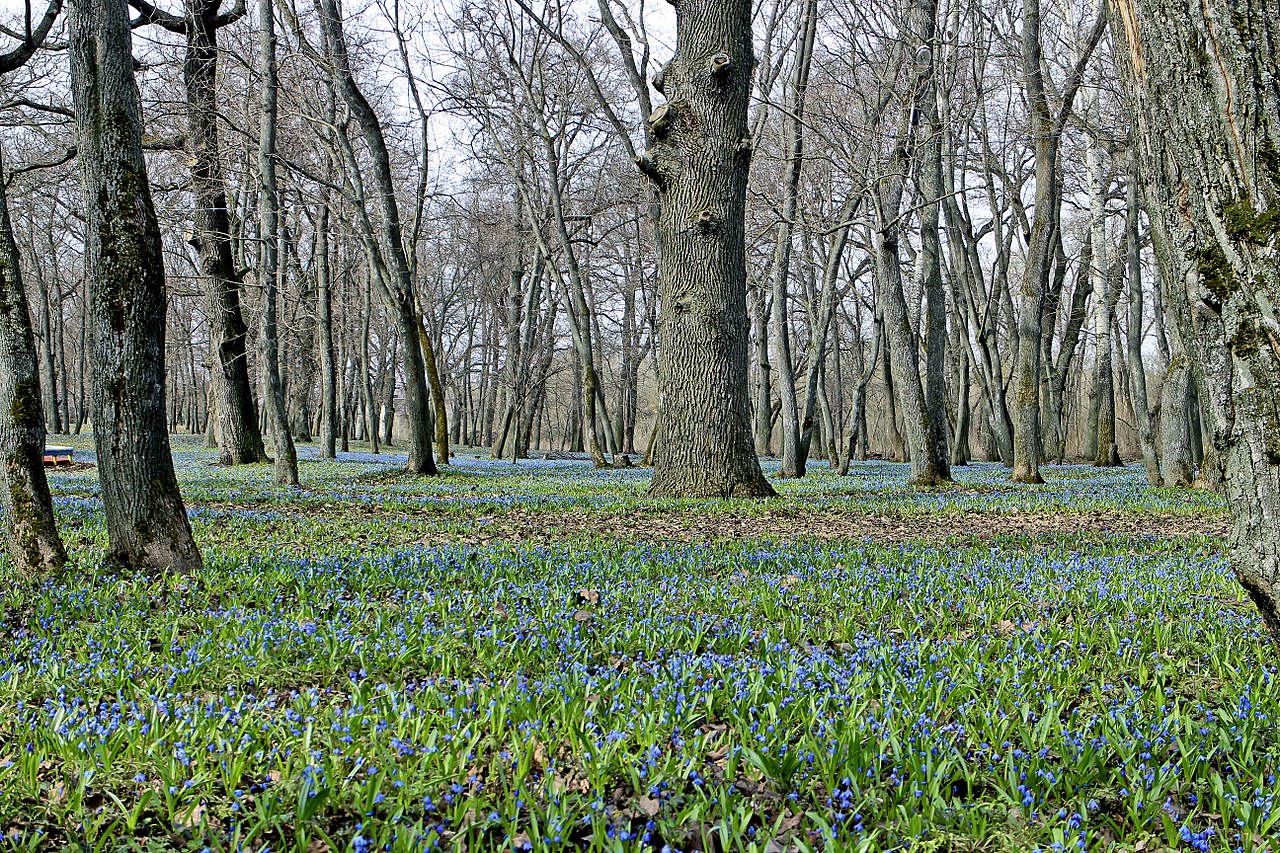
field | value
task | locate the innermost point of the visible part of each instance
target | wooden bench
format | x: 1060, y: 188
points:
x: 54, y: 456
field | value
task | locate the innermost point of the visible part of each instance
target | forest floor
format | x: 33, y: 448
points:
x: 539, y: 656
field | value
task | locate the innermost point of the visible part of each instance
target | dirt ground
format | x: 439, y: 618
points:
x: 671, y: 526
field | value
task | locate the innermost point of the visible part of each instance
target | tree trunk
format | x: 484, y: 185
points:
x: 399, y: 293
x: 31, y: 533
x: 822, y: 319
x: 1202, y: 82
x: 857, y: 430
x: 928, y: 457
x: 763, y: 424
x: 1137, y: 369
x: 793, y: 131
x: 700, y: 160
x: 930, y: 190
x: 368, y: 405
x: 1067, y: 351
x: 147, y: 525
x: 46, y: 346
x: 324, y: 325
x: 239, y: 437
x: 1046, y: 133
x: 270, y: 236
x: 1026, y: 397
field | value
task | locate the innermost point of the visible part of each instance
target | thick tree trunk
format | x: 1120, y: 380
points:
x: 700, y: 160
x: 1203, y: 81
x: 147, y: 525
x: 31, y: 533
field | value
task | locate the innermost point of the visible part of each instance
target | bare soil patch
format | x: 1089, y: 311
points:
x: 683, y: 527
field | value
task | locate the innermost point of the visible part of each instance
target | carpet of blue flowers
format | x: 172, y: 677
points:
x: 336, y: 680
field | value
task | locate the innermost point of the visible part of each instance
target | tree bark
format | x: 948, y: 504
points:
x: 147, y: 525
x: 239, y: 437
x: 930, y: 190
x: 763, y: 422
x: 324, y: 326
x: 1137, y: 367
x: 1046, y: 133
x: 30, y: 529
x: 1202, y: 79
x: 930, y: 465
x: 699, y: 160
x: 270, y: 236
x: 1026, y: 423
x: 400, y: 290
x: 793, y: 131
x: 31, y: 533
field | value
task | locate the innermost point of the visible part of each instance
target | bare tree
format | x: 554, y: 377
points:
x: 31, y: 533
x: 1047, y: 126
x: 700, y: 160
x: 270, y: 232
x: 399, y: 288
x: 147, y: 525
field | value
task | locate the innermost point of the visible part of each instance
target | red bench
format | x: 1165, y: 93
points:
x: 54, y: 456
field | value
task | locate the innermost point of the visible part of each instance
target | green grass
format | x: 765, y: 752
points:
x: 341, y: 676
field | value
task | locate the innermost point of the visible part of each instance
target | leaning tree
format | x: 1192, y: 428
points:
x: 1204, y: 84
x: 30, y: 530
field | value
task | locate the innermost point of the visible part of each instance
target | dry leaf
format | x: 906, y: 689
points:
x: 649, y: 806
x: 192, y: 819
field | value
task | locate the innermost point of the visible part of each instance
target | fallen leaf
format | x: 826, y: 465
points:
x: 190, y: 820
